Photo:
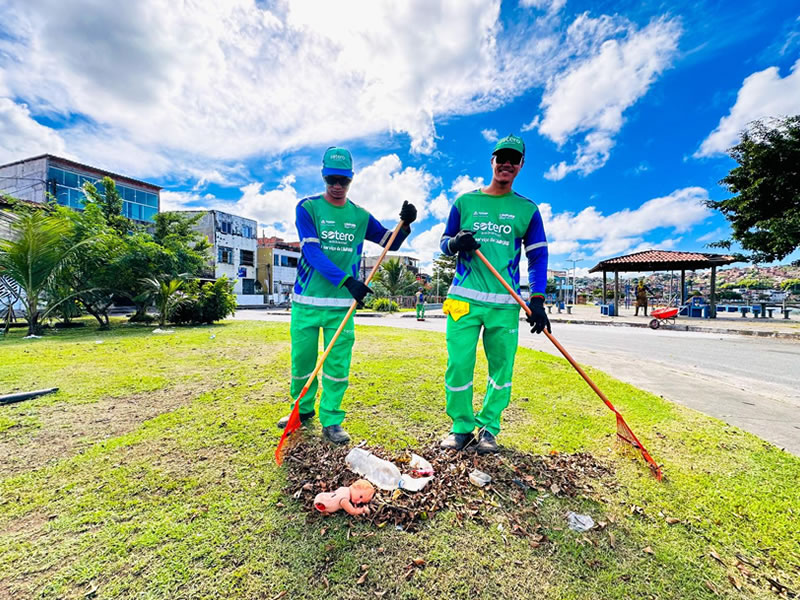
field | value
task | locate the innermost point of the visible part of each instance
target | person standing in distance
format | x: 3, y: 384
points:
x: 503, y: 224
x: 332, y: 231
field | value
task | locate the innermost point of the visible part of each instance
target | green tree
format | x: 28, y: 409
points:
x: 167, y: 295
x: 395, y: 278
x: 110, y: 204
x: 764, y: 214
x: 444, y: 270
x: 93, y: 273
x: 40, y: 250
x: 791, y: 285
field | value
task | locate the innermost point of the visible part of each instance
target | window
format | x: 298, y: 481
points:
x: 70, y: 179
x: 248, y: 286
x: 56, y: 174
x: 246, y: 257
x: 276, y: 260
x: 225, y: 255
x: 76, y: 199
x: 247, y: 232
x: 224, y: 227
x: 284, y: 260
x: 293, y: 262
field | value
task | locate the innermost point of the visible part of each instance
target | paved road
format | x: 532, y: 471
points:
x: 749, y: 382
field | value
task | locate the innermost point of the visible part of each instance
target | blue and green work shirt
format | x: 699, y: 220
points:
x: 504, y: 226
x: 331, y: 240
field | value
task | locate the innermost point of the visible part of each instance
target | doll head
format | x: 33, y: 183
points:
x: 361, y: 491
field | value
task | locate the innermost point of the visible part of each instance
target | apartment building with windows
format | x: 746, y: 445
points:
x: 276, y: 267
x: 233, y: 252
x: 33, y: 179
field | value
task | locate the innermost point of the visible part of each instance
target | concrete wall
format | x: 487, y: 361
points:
x: 25, y: 180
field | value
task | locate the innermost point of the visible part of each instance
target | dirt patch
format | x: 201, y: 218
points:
x: 66, y: 429
x: 520, y: 482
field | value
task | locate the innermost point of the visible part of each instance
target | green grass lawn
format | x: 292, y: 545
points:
x: 150, y: 474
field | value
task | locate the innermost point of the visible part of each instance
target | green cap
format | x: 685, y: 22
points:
x: 337, y: 161
x: 510, y: 142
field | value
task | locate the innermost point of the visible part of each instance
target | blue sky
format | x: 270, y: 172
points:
x: 626, y: 107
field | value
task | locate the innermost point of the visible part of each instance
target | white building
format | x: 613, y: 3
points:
x: 277, y: 262
x: 233, y: 252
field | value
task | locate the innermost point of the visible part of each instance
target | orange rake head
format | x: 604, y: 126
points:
x: 292, y: 426
x: 625, y: 434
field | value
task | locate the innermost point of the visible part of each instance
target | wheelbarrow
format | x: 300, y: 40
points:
x: 665, y: 314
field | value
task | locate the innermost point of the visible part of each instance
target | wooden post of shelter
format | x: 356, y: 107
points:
x: 683, y: 286
x: 713, y: 311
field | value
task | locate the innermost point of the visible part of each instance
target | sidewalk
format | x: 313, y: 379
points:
x: 734, y: 325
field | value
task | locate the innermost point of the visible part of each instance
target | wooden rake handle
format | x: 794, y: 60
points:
x: 549, y: 335
x: 349, y: 312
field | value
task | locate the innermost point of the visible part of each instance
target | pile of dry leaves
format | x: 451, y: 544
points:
x: 314, y: 466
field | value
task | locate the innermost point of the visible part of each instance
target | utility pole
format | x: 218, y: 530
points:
x: 574, y: 281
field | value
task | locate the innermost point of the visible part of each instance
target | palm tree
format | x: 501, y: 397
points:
x: 167, y: 295
x: 34, y: 258
x: 395, y: 278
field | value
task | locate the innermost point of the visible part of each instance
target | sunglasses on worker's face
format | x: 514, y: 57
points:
x: 508, y: 156
x: 337, y: 179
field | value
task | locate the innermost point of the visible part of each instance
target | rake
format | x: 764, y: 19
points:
x: 624, y: 432
x: 294, y: 419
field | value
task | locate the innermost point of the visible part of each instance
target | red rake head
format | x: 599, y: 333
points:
x: 292, y: 426
x: 625, y: 434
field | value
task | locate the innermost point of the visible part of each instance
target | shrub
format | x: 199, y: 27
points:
x: 384, y: 305
x: 205, y: 303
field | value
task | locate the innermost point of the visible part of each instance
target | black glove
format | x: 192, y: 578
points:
x: 408, y: 214
x: 357, y: 290
x: 463, y: 241
x: 538, y: 317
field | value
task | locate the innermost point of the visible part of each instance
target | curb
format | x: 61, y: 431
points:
x: 693, y: 328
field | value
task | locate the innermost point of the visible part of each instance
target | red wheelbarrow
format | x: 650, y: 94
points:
x: 665, y: 314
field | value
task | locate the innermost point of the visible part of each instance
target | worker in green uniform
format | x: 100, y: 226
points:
x: 332, y: 231
x: 503, y: 224
x: 420, y: 304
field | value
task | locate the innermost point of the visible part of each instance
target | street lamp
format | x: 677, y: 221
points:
x: 574, y: 284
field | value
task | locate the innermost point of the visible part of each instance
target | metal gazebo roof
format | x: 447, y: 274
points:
x: 662, y: 260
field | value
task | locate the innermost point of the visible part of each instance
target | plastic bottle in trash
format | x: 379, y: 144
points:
x: 381, y: 473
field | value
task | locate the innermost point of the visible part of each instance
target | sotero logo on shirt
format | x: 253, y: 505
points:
x: 491, y: 227
x: 338, y: 236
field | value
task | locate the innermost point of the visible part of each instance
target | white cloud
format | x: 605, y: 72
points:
x: 464, y: 183
x: 490, y: 135
x: 21, y: 136
x: 382, y: 187
x: 624, y: 231
x: 440, y: 206
x: 763, y: 94
x: 591, y: 97
x: 171, y: 200
x: 234, y: 79
x: 425, y: 244
x: 549, y: 6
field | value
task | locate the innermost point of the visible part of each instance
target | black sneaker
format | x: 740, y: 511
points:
x: 487, y: 444
x: 336, y: 434
x: 457, y: 441
x: 304, y: 418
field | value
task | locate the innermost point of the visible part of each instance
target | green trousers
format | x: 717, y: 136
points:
x: 306, y: 323
x: 420, y: 311
x: 500, y: 332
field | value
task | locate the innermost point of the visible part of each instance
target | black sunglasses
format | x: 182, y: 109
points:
x: 510, y: 156
x: 334, y: 179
